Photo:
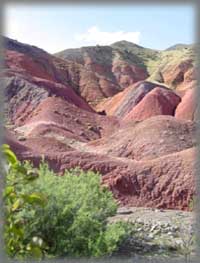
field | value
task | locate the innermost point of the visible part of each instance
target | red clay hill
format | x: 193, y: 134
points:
x: 122, y: 110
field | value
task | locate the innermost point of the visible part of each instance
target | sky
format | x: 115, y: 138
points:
x: 61, y: 26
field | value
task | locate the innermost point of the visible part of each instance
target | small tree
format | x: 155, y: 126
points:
x: 18, y: 175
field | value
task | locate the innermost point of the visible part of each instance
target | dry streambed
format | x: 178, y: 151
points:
x: 158, y: 232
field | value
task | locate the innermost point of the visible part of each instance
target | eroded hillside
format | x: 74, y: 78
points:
x: 125, y: 111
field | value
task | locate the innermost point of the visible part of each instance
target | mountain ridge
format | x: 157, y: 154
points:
x: 128, y: 43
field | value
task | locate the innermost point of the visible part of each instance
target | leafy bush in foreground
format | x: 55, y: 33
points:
x: 57, y: 215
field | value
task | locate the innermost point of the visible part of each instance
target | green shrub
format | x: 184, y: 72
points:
x: 58, y: 215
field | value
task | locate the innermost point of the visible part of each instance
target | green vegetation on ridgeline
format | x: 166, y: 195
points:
x: 123, y: 50
x: 52, y: 216
x: 152, y: 60
x: 166, y: 59
x: 142, y: 56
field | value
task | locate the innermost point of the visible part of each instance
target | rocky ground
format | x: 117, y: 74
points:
x: 165, y: 233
